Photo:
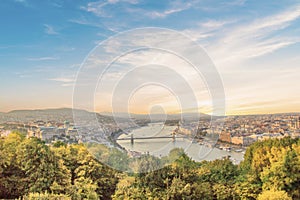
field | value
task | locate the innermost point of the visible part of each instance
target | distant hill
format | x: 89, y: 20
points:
x: 62, y: 114
x: 42, y: 111
x: 57, y: 114
x: 161, y: 117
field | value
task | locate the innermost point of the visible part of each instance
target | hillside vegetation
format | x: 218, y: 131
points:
x: 33, y: 170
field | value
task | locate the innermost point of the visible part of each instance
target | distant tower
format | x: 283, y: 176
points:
x: 295, y: 122
x: 292, y: 122
x: 66, y: 124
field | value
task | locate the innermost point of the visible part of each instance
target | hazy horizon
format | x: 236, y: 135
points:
x: 110, y: 113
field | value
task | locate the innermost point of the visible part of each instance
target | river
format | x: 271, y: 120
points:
x: 161, y: 146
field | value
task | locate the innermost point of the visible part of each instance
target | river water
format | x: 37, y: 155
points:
x: 162, y: 146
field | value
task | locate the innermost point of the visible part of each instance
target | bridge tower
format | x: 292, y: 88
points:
x: 175, y: 131
x: 174, y: 136
x: 131, y: 139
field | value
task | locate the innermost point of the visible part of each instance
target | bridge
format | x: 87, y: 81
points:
x: 173, y: 137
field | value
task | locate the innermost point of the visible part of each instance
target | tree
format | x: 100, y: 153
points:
x: 179, y: 189
x: 273, y: 195
x: 12, y: 177
x: 145, y: 164
x: 84, y: 188
x: 219, y: 171
x: 84, y: 167
x: 41, y: 166
x: 128, y: 188
x: 202, y: 190
x: 118, y: 160
x: 102, y: 176
x: 283, y: 172
x: 46, y: 196
x: 247, y: 186
x: 222, y: 191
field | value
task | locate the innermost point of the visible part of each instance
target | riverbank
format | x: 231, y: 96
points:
x: 230, y: 147
x: 161, y: 145
x: 218, y: 144
x: 113, y: 139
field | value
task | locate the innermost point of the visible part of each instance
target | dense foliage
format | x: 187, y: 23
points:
x: 33, y: 170
x: 29, y: 166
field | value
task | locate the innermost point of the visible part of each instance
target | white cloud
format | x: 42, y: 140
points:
x: 237, y: 43
x: 231, y: 43
x: 236, y: 2
x: 50, y: 30
x: 207, y: 29
x: 138, y: 66
x: 174, y: 7
x: 65, y: 81
x: 213, y: 24
x: 157, y: 14
x: 102, y: 25
x: 267, y: 47
x: 260, y: 28
x: 98, y: 7
x: 244, y: 53
x: 62, y: 79
x: 23, y: 74
x: 42, y: 58
x: 83, y: 21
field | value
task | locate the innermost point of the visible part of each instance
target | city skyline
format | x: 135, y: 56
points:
x: 254, y: 46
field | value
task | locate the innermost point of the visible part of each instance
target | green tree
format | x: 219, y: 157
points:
x: 219, y: 171
x: 247, y: 186
x: 202, y: 190
x: 273, y: 195
x: 223, y: 192
x: 46, y: 196
x: 179, y: 189
x: 41, y: 166
x: 104, y: 177
x: 12, y: 177
x: 84, y: 188
x: 118, y: 160
x: 84, y: 167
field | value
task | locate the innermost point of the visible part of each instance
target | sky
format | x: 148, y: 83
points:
x: 253, y: 44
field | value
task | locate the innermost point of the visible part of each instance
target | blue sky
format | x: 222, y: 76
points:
x: 254, y: 45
